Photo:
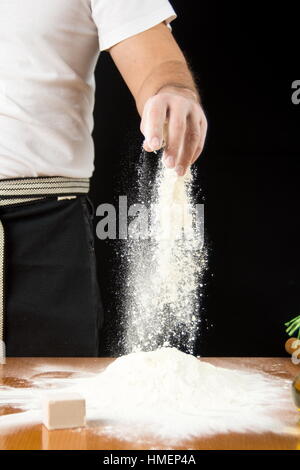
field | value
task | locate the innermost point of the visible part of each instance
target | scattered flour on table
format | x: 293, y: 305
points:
x: 164, y: 271
x: 169, y: 394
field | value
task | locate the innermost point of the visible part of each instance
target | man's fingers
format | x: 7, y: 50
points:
x: 198, y: 150
x: 200, y: 147
x: 192, y: 140
x: 152, y: 123
x: 146, y: 147
x: 175, y: 141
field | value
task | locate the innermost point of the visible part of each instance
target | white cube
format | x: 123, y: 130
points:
x: 63, y: 410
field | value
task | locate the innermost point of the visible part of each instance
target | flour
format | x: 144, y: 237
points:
x: 164, y: 394
x: 175, y: 395
x: 164, y: 272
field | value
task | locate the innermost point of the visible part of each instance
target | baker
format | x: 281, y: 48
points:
x: 49, y: 297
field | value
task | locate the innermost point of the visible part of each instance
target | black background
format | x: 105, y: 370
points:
x: 244, y: 60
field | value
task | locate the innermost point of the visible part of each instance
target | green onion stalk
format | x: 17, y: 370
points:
x: 292, y: 326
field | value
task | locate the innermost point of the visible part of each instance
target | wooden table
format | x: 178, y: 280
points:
x: 19, y: 372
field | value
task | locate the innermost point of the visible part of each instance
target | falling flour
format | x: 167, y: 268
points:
x: 166, y: 394
x: 164, y: 270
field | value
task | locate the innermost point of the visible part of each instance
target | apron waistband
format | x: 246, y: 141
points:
x: 22, y: 190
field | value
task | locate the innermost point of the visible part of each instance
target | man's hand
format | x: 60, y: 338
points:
x: 158, y: 76
x: 175, y: 115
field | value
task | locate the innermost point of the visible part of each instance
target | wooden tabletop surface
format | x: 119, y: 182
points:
x: 19, y: 373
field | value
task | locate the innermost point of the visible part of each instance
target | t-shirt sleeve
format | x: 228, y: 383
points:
x: 117, y: 20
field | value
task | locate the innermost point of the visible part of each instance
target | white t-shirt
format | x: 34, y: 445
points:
x: 48, y: 53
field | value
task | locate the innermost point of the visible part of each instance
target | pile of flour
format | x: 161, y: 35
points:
x: 164, y: 271
x: 165, y: 394
x: 178, y: 396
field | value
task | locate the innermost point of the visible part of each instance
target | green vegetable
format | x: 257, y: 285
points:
x: 293, y: 325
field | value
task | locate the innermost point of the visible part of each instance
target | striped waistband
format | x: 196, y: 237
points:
x: 22, y: 190
x: 40, y: 187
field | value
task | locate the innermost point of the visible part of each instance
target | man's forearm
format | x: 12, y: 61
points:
x: 166, y: 75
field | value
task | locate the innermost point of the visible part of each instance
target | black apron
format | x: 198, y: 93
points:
x: 52, y: 305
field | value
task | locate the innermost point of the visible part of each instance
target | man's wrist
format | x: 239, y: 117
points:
x: 180, y: 88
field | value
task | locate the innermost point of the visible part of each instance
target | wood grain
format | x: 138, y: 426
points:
x: 19, y: 373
